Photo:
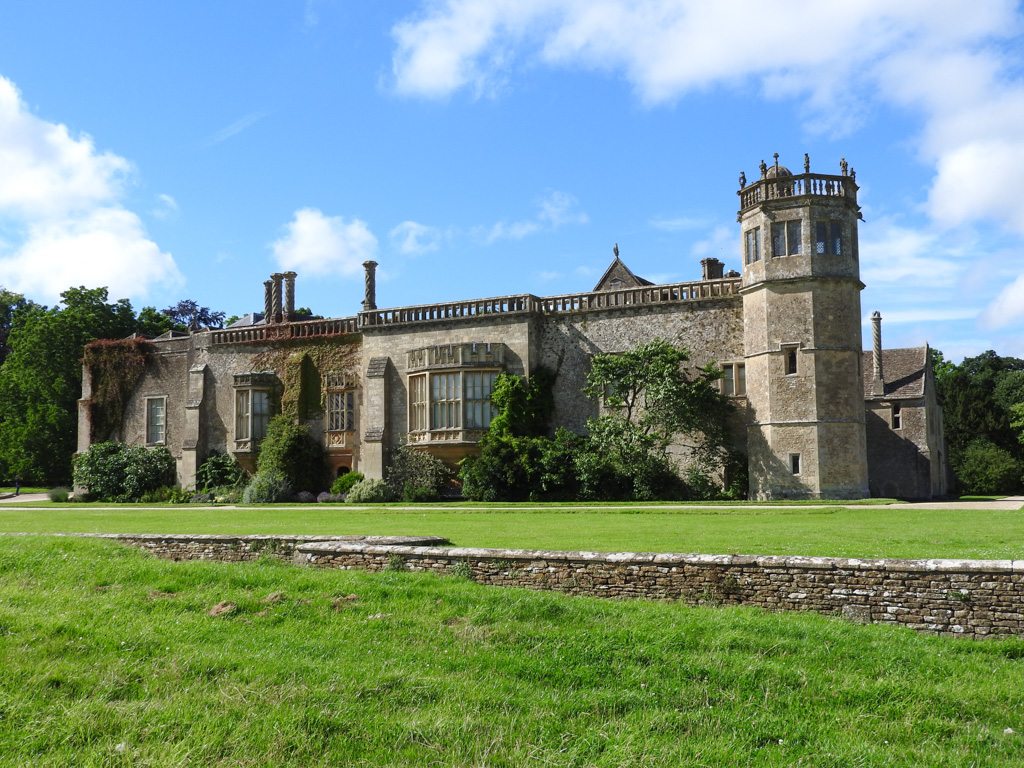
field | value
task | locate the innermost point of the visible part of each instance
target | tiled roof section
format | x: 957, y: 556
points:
x: 902, y: 369
x: 377, y: 367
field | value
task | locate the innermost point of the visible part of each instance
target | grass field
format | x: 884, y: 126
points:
x: 868, y: 531
x: 110, y: 657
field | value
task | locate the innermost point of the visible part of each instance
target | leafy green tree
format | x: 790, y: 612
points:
x: 41, y: 379
x: 655, y: 404
x: 986, y: 468
x: 940, y: 365
x: 979, y: 401
x: 188, y: 314
x: 10, y: 304
x: 288, y: 448
x: 415, y: 473
x: 153, y: 323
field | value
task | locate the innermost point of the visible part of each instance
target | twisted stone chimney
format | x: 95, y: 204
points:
x: 878, y: 376
x: 370, y: 300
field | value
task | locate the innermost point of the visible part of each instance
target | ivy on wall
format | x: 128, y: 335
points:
x: 116, y: 365
x: 302, y: 365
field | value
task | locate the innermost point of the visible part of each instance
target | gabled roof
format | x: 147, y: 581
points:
x: 618, y: 269
x: 903, y: 371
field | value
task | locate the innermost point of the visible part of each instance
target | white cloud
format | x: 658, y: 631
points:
x: 232, y: 130
x: 1007, y: 309
x: 723, y: 242
x: 677, y: 224
x: 323, y: 245
x: 892, y: 254
x: 107, y: 247
x: 414, y: 239
x: 61, y: 213
x: 953, y: 63
x: 556, y: 209
x: 167, y: 207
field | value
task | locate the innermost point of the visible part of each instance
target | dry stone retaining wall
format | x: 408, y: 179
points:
x: 975, y: 598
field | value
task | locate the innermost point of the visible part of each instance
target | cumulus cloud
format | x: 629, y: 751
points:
x: 316, y: 244
x: 61, y: 212
x: 413, y: 239
x: 1007, y: 309
x: 897, y: 255
x: 167, y: 207
x: 946, y: 61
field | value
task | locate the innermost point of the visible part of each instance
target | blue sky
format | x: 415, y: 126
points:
x: 486, y: 147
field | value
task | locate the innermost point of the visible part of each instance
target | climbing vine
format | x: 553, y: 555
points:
x: 116, y: 365
x: 302, y: 364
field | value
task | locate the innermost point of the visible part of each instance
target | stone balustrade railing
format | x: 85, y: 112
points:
x: 277, y: 331
x: 816, y: 184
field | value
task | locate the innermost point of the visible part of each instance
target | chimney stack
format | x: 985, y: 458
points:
x: 289, y: 295
x: 878, y: 378
x: 268, y: 301
x: 370, y: 301
x: 711, y: 269
x: 276, y: 296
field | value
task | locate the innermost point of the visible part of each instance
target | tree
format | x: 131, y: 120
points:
x: 41, y: 380
x: 153, y: 323
x: 979, y: 401
x: 290, y: 450
x: 10, y: 304
x: 940, y: 365
x: 188, y: 314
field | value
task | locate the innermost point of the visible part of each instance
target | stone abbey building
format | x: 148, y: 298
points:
x: 820, y: 417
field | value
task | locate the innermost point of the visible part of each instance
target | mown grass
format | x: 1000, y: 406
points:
x: 825, y: 531
x: 110, y: 657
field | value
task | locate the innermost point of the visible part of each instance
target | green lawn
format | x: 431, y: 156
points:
x: 869, y: 531
x: 110, y: 657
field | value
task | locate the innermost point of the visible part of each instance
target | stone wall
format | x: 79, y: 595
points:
x: 976, y: 598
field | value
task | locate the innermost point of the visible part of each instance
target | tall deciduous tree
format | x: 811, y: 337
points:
x: 654, y: 404
x: 979, y: 401
x: 41, y: 380
x: 188, y: 314
x: 10, y: 303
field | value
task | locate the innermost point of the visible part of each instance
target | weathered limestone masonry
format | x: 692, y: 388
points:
x: 974, y: 598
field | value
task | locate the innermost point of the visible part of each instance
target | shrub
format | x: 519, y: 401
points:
x: 412, y: 467
x: 59, y: 495
x: 290, y: 450
x: 116, y: 472
x: 986, y: 468
x: 415, y: 494
x: 346, y: 481
x: 305, y: 497
x: 267, y: 487
x: 330, y: 498
x: 157, y: 495
x: 369, y: 492
x: 202, y: 498
x: 227, y: 495
x: 220, y: 470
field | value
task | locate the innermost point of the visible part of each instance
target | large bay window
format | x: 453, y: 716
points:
x: 786, y: 238
x: 450, y: 391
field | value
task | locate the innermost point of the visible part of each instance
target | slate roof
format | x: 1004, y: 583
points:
x: 903, y: 371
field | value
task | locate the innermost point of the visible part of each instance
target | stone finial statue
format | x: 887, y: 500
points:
x: 843, y: 165
x: 743, y: 180
x: 776, y: 156
x: 853, y: 175
x: 764, y: 170
x: 615, y: 250
x: 370, y: 284
x: 807, y: 163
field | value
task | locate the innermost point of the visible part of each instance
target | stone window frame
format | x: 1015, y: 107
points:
x: 249, y: 427
x: 791, y: 359
x: 831, y: 244
x: 896, y: 416
x: 428, y: 413
x: 340, y: 402
x: 794, y: 464
x: 150, y: 425
x: 752, y: 245
x: 787, y: 238
x: 734, y: 382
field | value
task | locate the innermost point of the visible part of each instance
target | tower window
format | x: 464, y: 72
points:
x: 828, y: 238
x: 897, y: 416
x: 794, y: 463
x: 753, y: 245
x: 790, y: 353
x: 786, y: 238
x: 734, y: 382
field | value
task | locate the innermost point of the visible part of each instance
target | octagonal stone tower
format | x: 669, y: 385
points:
x: 802, y: 336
